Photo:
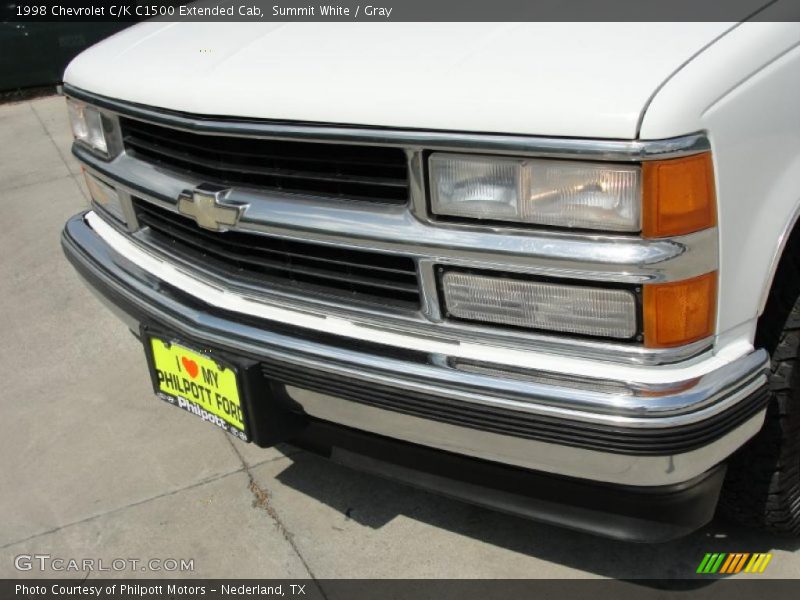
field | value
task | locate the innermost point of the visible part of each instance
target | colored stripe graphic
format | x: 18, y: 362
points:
x: 734, y: 563
x: 711, y: 563
x: 758, y: 563
x: 704, y: 563
x: 730, y: 564
x: 767, y: 558
x: 742, y: 560
x: 732, y: 558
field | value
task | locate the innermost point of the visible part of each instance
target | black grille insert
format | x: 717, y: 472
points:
x: 372, y: 173
x: 358, y: 275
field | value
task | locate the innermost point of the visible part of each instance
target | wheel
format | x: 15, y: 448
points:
x: 762, y: 485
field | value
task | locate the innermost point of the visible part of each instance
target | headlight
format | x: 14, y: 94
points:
x: 559, y: 193
x: 87, y: 125
x: 556, y: 307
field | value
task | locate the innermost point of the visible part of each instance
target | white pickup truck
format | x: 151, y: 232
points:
x: 548, y: 268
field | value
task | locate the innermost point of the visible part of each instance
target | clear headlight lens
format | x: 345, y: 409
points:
x: 87, y: 125
x: 560, y: 193
x: 538, y: 305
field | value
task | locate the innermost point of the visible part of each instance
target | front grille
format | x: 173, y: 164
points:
x: 371, y: 173
x: 262, y: 260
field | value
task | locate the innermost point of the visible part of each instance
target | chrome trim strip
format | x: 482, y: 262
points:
x: 493, y: 143
x: 529, y: 454
x: 431, y: 307
x: 653, y: 406
x: 418, y: 199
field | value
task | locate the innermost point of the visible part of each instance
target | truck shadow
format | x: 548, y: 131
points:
x: 373, y: 502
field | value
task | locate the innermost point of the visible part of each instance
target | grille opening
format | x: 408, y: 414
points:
x: 333, y: 340
x: 369, y: 173
x: 261, y: 260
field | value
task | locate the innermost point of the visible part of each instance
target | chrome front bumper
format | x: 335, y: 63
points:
x: 635, y: 433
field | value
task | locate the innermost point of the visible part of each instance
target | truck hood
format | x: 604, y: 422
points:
x: 557, y: 79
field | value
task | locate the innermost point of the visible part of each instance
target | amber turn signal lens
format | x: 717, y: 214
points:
x: 679, y: 312
x: 678, y: 196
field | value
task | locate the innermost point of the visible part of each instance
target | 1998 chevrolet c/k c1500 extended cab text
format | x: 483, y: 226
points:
x: 548, y: 268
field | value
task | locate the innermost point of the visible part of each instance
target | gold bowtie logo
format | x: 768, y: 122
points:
x: 208, y: 207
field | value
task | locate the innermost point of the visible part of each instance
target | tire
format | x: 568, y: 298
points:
x: 762, y: 485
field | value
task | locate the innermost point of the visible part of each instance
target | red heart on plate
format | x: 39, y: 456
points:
x: 190, y: 366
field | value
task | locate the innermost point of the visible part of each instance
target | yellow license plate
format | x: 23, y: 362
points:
x: 198, y: 384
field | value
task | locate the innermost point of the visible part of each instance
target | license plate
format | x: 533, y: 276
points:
x: 198, y: 383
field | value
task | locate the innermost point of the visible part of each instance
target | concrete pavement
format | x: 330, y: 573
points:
x: 93, y: 466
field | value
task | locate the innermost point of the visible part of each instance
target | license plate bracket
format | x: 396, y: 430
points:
x: 197, y: 380
x: 268, y: 415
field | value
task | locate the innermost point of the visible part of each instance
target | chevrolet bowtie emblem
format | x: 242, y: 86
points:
x: 207, y: 206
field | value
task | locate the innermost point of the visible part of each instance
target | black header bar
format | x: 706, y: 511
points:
x: 400, y: 10
x: 702, y: 588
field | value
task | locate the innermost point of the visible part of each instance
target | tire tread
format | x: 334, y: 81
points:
x: 762, y: 485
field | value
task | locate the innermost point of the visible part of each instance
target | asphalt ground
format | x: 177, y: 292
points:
x: 92, y: 466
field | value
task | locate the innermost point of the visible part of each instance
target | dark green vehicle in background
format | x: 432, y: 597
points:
x: 35, y: 54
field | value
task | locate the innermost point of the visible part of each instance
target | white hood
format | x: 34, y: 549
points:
x: 559, y: 79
